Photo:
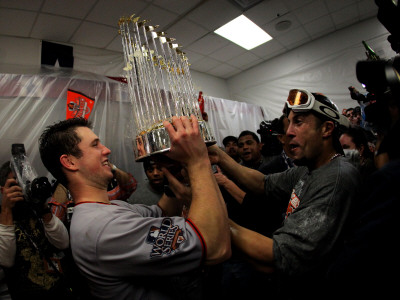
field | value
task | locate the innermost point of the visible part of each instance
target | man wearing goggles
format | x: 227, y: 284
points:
x: 319, y: 192
x: 303, y: 101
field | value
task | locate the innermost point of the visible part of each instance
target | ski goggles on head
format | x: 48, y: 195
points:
x: 303, y: 101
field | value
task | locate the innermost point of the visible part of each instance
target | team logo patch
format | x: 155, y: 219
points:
x: 293, y: 204
x: 165, y: 239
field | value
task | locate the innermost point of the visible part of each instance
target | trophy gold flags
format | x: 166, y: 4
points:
x: 159, y: 83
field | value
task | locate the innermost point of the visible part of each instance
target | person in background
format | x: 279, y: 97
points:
x: 356, y: 116
x: 249, y: 148
x: 355, y: 144
x: 349, y: 114
x: 231, y: 147
x: 363, y: 267
x: 31, y: 240
x: 150, y: 191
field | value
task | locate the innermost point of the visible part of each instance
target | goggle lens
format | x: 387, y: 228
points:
x: 297, y: 97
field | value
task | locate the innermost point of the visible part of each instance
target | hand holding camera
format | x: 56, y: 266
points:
x: 11, y: 194
x: 33, y: 189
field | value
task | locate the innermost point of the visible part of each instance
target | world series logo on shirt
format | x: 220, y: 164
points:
x: 165, y: 239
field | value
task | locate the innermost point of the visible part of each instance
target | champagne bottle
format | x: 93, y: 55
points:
x: 371, y: 55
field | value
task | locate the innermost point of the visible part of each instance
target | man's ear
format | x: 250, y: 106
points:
x: 328, y: 128
x: 361, y: 150
x: 280, y: 138
x: 68, y: 162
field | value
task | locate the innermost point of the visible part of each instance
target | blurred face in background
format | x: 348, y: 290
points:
x: 349, y: 114
x: 347, y: 142
x: 248, y: 148
x: 155, y: 176
x: 231, y: 148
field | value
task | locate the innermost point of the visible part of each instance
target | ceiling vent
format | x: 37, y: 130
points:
x: 246, y: 4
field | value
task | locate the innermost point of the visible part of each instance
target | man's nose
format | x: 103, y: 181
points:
x: 157, y: 172
x: 106, y: 151
x: 290, y: 131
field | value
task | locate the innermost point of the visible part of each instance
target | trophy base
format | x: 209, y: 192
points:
x: 156, y: 141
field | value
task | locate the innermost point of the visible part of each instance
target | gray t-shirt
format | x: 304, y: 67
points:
x: 319, y: 206
x: 129, y: 251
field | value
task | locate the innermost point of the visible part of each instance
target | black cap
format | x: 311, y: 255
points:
x: 229, y: 138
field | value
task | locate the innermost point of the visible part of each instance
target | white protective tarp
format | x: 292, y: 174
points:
x: 31, y: 102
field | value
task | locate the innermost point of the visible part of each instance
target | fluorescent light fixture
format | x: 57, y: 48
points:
x: 244, y: 32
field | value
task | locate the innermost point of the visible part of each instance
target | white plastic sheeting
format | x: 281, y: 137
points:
x: 29, y: 103
x: 228, y: 117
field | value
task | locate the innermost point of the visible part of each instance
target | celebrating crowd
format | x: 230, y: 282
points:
x: 308, y: 220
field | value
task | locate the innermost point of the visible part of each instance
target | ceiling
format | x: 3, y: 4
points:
x: 93, y: 23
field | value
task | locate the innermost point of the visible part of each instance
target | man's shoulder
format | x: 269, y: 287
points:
x: 338, y: 172
x: 339, y: 165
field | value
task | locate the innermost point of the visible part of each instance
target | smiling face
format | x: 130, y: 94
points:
x: 248, y: 148
x: 305, y: 138
x: 93, y: 164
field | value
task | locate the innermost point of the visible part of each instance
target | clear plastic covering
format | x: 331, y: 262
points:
x: 31, y: 102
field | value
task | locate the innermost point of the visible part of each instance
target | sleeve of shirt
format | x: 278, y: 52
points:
x: 123, y: 192
x: 129, y: 245
x: 57, y: 233
x: 58, y: 209
x: 278, y: 186
x: 8, y: 246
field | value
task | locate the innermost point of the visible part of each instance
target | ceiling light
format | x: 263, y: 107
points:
x: 244, y: 32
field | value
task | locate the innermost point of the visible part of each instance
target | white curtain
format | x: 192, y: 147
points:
x: 228, y: 117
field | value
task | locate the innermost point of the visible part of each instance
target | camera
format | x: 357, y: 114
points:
x: 268, y: 132
x: 381, y: 77
x: 36, y: 190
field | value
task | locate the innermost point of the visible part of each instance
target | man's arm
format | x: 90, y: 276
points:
x: 257, y: 248
x: 207, y: 210
x: 126, y: 184
x: 8, y: 246
x: 11, y: 194
x: 236, y: 192
x: 55, y: 231
x: 250, y: 179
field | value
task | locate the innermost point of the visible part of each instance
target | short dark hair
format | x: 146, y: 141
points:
x: 58, y: 139
x: 5, y: 169
x: 248, y: 132
x: 229, y: 138
x: 148, y: 163
x: 360, y: 138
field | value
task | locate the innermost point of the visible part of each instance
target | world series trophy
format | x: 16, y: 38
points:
x: 160, y: 85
